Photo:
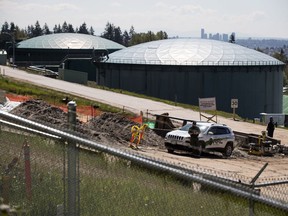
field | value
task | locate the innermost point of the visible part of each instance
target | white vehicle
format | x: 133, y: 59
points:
x: 213, y: 137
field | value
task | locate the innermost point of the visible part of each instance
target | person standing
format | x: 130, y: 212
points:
x: 270, y: 127
x: 194, y: 131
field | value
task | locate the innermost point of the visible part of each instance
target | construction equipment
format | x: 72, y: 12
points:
x: 263, y: 147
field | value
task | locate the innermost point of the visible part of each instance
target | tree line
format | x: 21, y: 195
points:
x: 282, y: 57
x: 111, y: 32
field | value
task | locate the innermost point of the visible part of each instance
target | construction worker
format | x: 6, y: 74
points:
x: 271, y: 127
x: 137, y: 134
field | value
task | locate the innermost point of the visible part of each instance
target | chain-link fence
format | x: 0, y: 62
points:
x: 49, y: 170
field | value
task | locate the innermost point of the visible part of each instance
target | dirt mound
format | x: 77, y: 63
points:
x: 118, y: 127
x: 107, y: 128
x: 42, y: 112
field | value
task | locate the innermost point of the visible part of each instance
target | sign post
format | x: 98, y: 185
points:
x: 234, y: 105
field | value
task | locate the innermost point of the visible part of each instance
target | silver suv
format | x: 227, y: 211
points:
x: 213, y: 137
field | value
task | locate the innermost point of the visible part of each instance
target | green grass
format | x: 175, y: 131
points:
x: 11, y: 85
x: 173, y: 103
x: 14, y: 86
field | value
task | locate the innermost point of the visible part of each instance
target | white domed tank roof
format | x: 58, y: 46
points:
x: 68, y: 41
x: 191, y: 52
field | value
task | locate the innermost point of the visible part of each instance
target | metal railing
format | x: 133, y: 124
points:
x: 194, y: 63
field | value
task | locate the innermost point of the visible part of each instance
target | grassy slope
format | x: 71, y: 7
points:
x: 17, y: 87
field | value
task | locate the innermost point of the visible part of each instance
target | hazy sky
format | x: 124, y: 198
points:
x: 248, y: 18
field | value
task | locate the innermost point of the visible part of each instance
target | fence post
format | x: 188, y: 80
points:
x: 251, y: 201
x: 27, y: 170
x: 72, y: 178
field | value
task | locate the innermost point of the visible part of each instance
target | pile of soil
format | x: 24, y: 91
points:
x: 107, y: 128
x: 118, y: 128
x: 42, y: 112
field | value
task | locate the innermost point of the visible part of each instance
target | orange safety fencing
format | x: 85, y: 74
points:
x: 84, y: 111
x: 17, y: 98
x: 138, y: 119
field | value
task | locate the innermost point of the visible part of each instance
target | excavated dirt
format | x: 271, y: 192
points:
x: 107, y: 128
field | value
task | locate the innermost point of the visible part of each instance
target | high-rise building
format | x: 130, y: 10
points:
x: 202, y: 33
x: 217, y: 36
x: 225, y: 37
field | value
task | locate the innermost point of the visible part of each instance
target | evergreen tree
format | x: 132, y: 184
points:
x: 126, y: 38
x: 91, y: 31
x: 5, y: 36
x: 65, y: 27
x: 232, y: 38
x: 30, y: 30
x: 5, y: 27
x: 21, y: 34
x: 282, y: 57
x: 57, y: 29
x: 70, y: 28
x: 37, y: 31
x: 161, y: 35
x: 46, y: 29
x: 12, y: 27
x: 131, y: 32
x: 118, y: 38
x: 83, y: 29
x: 150, y: 36
x: 108, y: 32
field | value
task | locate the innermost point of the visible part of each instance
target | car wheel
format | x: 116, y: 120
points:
x: 228, y: 150
x: 171, y: 151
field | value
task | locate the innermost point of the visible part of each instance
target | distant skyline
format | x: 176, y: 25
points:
x: 183, y: 18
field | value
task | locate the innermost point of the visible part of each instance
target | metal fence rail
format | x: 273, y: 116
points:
x: 113, y: 181
x: 193, y: 63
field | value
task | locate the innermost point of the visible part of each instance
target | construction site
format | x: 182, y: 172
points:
x: 257, y: 161
x: 115, y: 129
x: 248, y: 135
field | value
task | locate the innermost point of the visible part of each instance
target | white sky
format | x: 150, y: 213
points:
x: 184, y: 18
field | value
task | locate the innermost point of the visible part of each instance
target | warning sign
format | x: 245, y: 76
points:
x: 234, y: 103
x: 207, y: 103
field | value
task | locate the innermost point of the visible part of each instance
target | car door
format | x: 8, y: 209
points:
x: 217, y: 137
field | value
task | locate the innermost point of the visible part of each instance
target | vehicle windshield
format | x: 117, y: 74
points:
x: 202, y: 128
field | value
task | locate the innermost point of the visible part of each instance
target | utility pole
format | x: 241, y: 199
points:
x: 12, y: 35
x: 13, y: 44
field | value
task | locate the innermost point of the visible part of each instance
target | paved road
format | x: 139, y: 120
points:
x: 134, y: 104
